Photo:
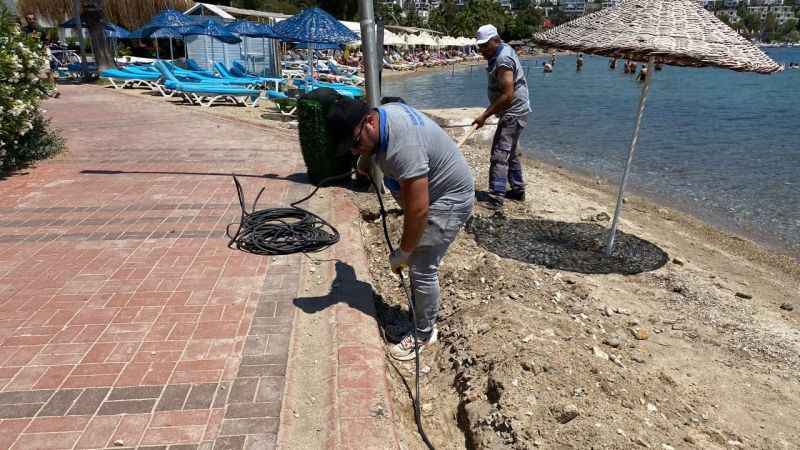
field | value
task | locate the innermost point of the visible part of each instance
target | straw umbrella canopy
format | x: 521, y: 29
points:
x: 674, y: 32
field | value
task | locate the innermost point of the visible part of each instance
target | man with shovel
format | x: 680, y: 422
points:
x: 429, y: 176
x: 509, y: 100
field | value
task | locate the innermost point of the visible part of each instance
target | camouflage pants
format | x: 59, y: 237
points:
x: 505, y: 168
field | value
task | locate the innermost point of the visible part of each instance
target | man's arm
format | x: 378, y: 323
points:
x: 415, y: 211
x: 503, y: 102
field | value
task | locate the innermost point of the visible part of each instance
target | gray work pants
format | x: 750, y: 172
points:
x: 505, y: 167
x: 441, y: 230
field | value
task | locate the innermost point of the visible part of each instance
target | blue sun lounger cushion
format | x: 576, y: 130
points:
x: 197, y: 92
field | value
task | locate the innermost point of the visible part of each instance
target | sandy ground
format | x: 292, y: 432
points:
x: 686, y: 337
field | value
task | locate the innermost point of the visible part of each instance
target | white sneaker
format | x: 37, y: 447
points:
x: 404, y: 350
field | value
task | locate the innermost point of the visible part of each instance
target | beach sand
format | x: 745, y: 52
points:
x: 691, y: 340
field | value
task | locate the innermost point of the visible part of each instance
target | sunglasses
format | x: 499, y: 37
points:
x: 357, y: 137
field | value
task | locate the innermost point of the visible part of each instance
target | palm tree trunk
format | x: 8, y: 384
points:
x: 94, y: 15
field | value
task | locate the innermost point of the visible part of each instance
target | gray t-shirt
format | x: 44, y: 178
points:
x: 412, y: 145
x: 507, y: 58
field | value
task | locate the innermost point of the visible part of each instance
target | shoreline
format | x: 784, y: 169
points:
x: 393, y: 74
x: 738, y: 242
x: 766, y: 242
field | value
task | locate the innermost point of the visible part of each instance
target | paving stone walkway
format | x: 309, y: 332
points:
x: 125, y: 321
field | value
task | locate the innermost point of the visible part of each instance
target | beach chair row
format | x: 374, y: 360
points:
x: 202, y: 87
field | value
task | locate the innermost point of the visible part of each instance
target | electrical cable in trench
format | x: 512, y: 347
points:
x: 284, y: 231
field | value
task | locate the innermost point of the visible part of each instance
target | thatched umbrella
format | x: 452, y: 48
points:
x: 675, y: 32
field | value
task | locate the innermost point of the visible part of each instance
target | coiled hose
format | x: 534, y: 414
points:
x: 284, y: 231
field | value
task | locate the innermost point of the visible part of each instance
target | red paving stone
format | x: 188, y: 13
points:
x: 125, y: 318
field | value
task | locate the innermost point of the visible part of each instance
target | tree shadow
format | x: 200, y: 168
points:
x: 298, y: 177
x: 573, y: 247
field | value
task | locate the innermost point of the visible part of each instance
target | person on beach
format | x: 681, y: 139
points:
x: 509, y: 100
x: 546, y: 67
x: 626, y: 67
x: 613, y: 64
x: 579, y: 63
x: 426, y: 172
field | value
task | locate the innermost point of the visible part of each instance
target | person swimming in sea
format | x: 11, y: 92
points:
x: 642, y: 77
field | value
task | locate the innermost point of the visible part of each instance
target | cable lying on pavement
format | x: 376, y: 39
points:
x: 284, y: 231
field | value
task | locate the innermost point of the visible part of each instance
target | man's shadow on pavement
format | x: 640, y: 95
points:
x: 348, y: 289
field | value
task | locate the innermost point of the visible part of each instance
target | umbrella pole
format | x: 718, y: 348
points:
x: 642, y: 101
x: 155, y: 42
x: 205, y: 52
x: 310, y: 80
x: 171, y: 55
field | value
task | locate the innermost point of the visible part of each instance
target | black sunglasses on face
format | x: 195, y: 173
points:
x: 357, y: 137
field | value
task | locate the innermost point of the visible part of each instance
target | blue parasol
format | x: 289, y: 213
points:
x: 168, y: 18
x: 318, y: 46
x: 214, y: 29
x: 162, y: 25
x: 251, y: 30
x: 316, y: 26
x: 211, y: 28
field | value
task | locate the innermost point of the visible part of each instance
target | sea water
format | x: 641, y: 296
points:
x: 721, y: 145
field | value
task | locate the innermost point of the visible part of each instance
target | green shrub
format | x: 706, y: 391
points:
x: 22, y: 127
x: 40, y: 142
x: 319, y: 153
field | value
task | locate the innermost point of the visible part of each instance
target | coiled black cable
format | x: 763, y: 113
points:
x: 282, y: 231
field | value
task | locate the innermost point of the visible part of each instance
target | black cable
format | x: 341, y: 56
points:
x: 411, y: 299
x: 283, y: 231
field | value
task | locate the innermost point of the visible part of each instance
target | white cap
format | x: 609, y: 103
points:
x: 485, y: 33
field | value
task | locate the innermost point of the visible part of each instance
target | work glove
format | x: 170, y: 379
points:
x: 398, y: 259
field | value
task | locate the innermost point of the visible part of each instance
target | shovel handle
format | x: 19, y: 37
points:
x: 469, y: 134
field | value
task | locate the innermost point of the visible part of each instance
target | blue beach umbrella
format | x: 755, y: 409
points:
x: 251, y: 30
x: 319, y: 46
x: 168, y: 18
x: 211, y: 28
x: 214, y: 29
x: 314, y: 26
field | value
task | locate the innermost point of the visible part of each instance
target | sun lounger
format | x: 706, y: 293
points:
x: 194, y: 67
x: 226, y: 75
x: 238, y: 71
x: 120, y: 79
x: 343, y: 89
x: 206, y: 94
